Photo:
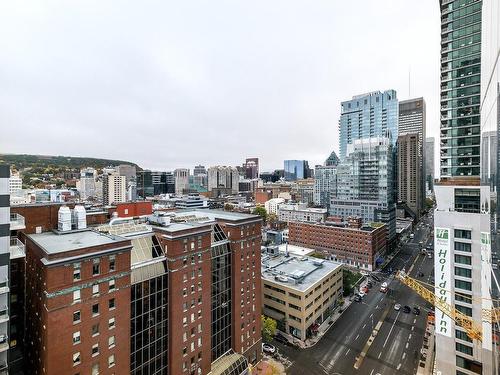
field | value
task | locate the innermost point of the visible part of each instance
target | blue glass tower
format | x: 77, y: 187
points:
x: 296, y: 169
x: 368, y: 116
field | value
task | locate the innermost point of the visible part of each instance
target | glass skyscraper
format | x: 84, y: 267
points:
x: 296, y: 170
x: 460, y: 87
x: 370, y: 115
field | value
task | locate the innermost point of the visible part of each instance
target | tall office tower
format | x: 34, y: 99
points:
x: 251, y: 167
x: 489, y: 145
x: 181, y: 176
x: 410, y: 182
x: 296, y: 170
x: 130, y: 173
x: 332, y: 160
x: 114, y: 188
x: 325, y: 185
x: 303, y: 191
x: 429, y: 163
x: 86, y: 185
x: 462, y: 239
x: 365, y: 184
x: 199, y: 169
x: 4, y: 265
x: 224, y: 180
x: 412, y: 119
x: 370, y: 115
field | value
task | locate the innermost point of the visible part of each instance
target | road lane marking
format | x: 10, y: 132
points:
x: 376, y: 307
x: 392, y: 327
x: 412, y: 327
x: 399, y: 366
x: 381, y: 299
x: 364, y: 326
x: 379, y: 355
x: 409, y: 337
x: 404, y: 355
x: 407, y: 345
x: 414, y: 320
x: 371, y: 373
x: 371, y: 315
x: 356, y: 337
x: 348, y: 350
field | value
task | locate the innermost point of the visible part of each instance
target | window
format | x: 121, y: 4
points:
x: 463, y: 285
x: 95, y: 309
x: 462, y: 336
x: 111, y: 360
x: 95, y: 267
x: 95, y: 329
x: 111, y: 323
x: 111, y: 285
x: 111, y: 303
x: 76, y: 295
x: 112, y: 263
x: 463, y: 298
x: 95, y: 369
x: 77, y: 316
x: 95, y: 290
x: 77, y: 271
x: 111, y: 341
x: 76, y: 338
x: 95, y: 350
x: 463, y: 259
x: 464, y: 272
x: 462, y: 246
x: 463, y: 348
x: 462, y: 233
x: 464, y: 310
x: 76, y: 359
x: 468, y: 364
x: 184, y: 351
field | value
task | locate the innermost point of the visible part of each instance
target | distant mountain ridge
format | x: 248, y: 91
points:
x: 23, y: 161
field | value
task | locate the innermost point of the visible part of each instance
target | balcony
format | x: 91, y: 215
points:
x: 4, y: 316
x: 17, y: 222
x: 17, y: 248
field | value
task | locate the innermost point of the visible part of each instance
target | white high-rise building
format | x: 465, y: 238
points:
x: 181, y: 176
x: 15, y: 184
x: 272, y: 205
x: 325, y: 185
x: 114, y: 188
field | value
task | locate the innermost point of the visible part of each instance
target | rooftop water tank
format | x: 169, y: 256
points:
x: 64, y: 219
x: 80, y: 215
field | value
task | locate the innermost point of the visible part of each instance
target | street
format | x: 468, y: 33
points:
x: 347, y: 348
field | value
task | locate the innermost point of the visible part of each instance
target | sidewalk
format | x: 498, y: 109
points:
x: 323, y: 328
x: 426, y: 360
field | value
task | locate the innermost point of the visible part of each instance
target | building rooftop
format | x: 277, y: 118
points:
x: 294, y: 271
x: 60, y: 242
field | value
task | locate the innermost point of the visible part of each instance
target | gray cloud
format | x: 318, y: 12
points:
x: 172, y: 84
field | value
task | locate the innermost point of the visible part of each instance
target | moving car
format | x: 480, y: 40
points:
x: 416, y: 310
x: 357, y: 298
x: 361, y: 293
x: 383, y: 289
x: 407, y: 309
x: 268, y: 348
x: 397, y: 307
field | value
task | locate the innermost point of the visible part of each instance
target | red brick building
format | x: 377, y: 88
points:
x: 355, y: 245
x: 77, y: 303
x: 131, y: 209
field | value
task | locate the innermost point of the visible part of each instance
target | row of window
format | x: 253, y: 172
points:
x: 96, y: 267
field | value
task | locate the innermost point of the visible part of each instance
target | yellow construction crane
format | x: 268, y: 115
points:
x: 473, y: 329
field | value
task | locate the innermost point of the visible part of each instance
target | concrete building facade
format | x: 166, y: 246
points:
x: 114, y: 188
x: 181, y: 177
x: 225, y: 178
x: 301, y: 212
x: 300, y: 293
x: 410, y: 182
x: 325, y: 185
x: 429, y: 164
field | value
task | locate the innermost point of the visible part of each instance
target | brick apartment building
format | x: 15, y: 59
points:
x: 188, y: 295
x: 77, y: 303
x: 351, y: 243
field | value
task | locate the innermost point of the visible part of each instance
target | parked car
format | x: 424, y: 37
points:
x: 416, y: 310
x: 268, y: 348
x: 383, y: 289
x: 357, y: 298
x: 361, y: 293
x: 397, y: 307
x: 369, y: 284
x: 407, y: 309
x: 420, y: 274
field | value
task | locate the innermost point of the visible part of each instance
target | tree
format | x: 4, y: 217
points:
x: 261, y: 211
x: 268, y: 328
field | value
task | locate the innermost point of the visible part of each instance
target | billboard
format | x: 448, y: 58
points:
x: 442, y: 272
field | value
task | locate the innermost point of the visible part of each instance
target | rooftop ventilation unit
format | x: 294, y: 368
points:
x: 64, y: 219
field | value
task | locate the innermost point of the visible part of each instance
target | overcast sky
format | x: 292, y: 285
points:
x: 175, y: 83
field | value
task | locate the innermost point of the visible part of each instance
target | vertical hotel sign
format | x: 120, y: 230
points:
x: 485, y: 287
x: 442, y: 272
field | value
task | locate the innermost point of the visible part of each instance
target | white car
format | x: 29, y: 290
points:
x: 361, y: 293
x: 397, y: 307
x: 268, y: 348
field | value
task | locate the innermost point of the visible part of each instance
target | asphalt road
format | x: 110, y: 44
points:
x: 396, y: 346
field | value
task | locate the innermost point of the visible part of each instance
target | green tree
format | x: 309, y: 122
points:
x: 261, y: 211
x: 268, y: 328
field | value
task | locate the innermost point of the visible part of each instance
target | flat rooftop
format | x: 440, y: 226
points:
x: 297, y: 272
x: 60, y: 242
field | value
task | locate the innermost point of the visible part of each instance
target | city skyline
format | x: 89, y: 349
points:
x: 110, y: 82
